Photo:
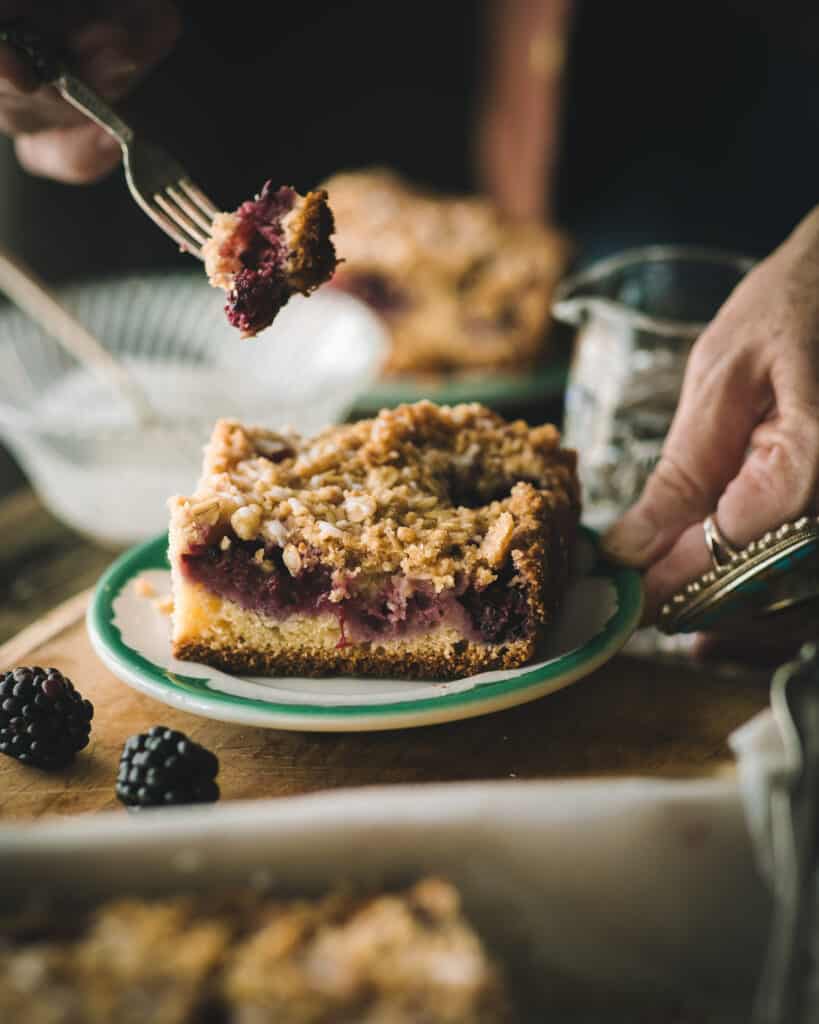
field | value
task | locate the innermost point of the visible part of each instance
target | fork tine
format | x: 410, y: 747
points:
x: 181, y: 219
x: 198, y: 196
x: 183, y: 241
x: 195, y: 215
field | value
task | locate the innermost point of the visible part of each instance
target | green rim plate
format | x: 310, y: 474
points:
x: 494, y: 389
x: 193, y: 694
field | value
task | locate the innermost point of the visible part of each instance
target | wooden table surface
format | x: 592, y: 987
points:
x: 632, y: 716
x: 42, y: 561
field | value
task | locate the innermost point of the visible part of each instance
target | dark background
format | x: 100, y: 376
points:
x: 694, y: 122
x: 682, y: 122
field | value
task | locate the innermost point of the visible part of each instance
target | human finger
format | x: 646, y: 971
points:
x: 76, y: 155
x: 32, y: 112
x: 16, y: 71
x: 777, y: 482
x: 720, y: 403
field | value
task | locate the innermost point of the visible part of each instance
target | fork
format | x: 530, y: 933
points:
x: 159, y: 184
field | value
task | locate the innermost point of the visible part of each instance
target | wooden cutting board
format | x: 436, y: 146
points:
x: 633, y: 716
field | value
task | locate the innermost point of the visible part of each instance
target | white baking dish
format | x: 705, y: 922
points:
x: 594, y: 894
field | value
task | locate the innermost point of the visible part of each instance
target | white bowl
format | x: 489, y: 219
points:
x: 78, y: 442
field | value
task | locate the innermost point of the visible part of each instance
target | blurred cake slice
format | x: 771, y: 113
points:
x: 459, y: 286
x: 430, y: 543
x: 396, y: 958
x: 272, y: 247
x: 401, y: 957
x: 134, y: 961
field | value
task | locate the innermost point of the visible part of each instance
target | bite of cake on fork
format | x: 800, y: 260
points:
x: 272, y: 247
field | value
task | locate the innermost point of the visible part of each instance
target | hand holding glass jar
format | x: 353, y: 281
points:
x: 743, y: 446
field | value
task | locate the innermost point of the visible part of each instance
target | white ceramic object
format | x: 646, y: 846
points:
x: 606, y: 900
x: 79, y: 443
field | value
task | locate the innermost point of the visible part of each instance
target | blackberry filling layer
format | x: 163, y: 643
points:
x: 378, y: 608
x: 270, y: 248
x: 260, y: 288
x: 256, y: 579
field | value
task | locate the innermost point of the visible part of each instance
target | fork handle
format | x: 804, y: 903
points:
x: 90, y: 103
x: 51, y: 67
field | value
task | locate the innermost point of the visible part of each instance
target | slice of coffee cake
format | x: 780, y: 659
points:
x: 458, y: 286
x: 429, y: 543
x: 272, y: 247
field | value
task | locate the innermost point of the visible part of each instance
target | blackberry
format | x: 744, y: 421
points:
x: 163, y: 767
x: 44, y: 721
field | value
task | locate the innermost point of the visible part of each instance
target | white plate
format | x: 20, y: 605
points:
x: 602, y: 607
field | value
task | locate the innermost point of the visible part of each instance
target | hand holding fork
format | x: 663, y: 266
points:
x: 158, y: 183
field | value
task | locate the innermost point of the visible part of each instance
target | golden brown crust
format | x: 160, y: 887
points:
x: 465, y: 288
x: 312, y: 256
x: 420, y: 489
x: 364, y: 660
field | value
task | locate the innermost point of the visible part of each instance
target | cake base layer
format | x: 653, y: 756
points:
x: 221, y: 633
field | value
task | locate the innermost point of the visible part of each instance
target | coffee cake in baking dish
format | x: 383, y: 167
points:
x: 430, y: 542
x: 246, y: 958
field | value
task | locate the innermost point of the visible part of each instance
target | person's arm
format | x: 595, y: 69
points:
x: 111, y: 50
x: 519, y: 123
x: 744, y: 443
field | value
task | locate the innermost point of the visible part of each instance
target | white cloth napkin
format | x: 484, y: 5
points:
x: 760, y: 753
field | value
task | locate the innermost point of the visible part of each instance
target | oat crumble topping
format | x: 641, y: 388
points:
x: 430, y: 491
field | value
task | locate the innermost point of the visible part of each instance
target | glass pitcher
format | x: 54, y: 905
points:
x: 636, y: 315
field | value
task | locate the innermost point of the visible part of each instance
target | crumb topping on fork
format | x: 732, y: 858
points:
x: 430, y: 491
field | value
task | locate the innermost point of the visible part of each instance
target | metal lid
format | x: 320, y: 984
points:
x: 770, y: 575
